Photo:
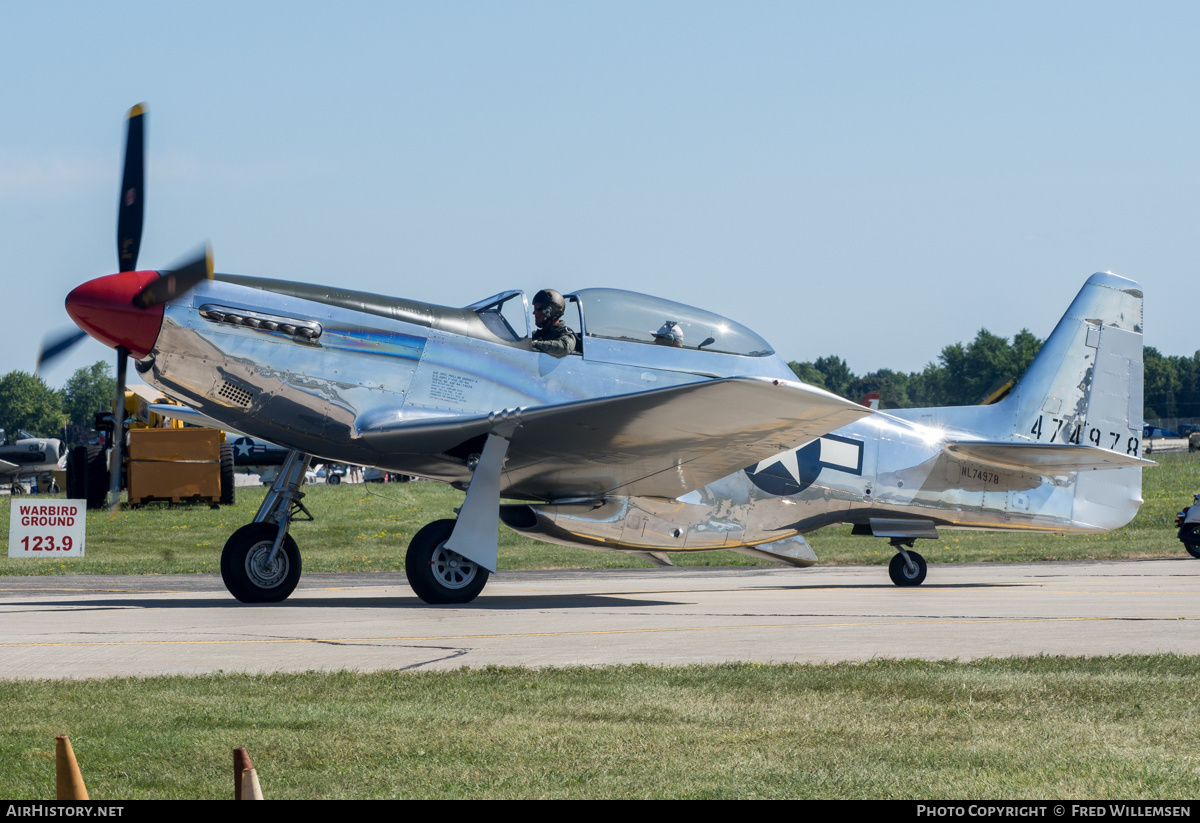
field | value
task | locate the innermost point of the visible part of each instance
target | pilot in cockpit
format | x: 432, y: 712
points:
x: 669, y: 334
x: 553, y: 336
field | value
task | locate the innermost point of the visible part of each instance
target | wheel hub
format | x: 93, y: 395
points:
x: 261, y: 570
x: 451, y: 569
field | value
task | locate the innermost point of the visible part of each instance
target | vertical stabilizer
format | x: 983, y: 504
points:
x: 1085, y: 387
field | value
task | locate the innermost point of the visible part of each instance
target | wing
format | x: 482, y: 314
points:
x: 188, y: 415
x: 8, y: 469
x: 660, y: 443
x: 1043, y: 458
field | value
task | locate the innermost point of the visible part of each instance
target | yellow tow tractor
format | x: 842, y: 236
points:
x: 163, y: 459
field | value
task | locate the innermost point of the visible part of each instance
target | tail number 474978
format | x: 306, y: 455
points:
x: 1094, y: 435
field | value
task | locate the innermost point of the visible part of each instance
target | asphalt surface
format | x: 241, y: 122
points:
x: 88, y: 626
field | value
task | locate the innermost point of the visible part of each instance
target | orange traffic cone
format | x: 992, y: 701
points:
x: 67, y: 779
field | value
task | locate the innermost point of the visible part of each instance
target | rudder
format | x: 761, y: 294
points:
x: 1085, y: 387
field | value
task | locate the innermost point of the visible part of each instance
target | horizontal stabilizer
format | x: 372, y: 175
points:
x: 660, y: 443
x: 1043, y: 458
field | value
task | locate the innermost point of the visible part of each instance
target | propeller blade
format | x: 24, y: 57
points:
x: 131, y: 206
x: 114, y: 482
x: 53, y: 347
x: 174, y: 283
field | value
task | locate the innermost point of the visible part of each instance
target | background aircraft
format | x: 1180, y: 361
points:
x: 28, y: 456
x: 621, y: 444
x: 247, y: 451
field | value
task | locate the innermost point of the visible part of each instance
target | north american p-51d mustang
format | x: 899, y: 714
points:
x: 26, y: 457
x: 706, y: 442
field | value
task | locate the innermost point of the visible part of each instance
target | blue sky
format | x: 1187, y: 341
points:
x: 874, y: 180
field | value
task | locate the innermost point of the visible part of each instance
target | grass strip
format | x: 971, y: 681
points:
x: 1044, y: 727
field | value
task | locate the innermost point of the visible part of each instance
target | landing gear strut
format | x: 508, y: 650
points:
x: 261, y: 562
x: 907, y: 568
x: 449, y: 561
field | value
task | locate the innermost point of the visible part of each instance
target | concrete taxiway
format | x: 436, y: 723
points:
x: 74, y: 627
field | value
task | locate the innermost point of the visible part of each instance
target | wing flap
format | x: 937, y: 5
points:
x: 1043, y: 458
x: 660, y: 443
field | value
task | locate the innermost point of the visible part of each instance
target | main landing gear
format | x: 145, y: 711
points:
x: 261, y: 562
x: 438, y: 574
x: 907, y: 568
x: 448, y: 561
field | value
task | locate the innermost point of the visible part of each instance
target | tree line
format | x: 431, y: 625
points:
x: 963, y: 375
x: 26, y: 402
x: 1172, y: 387
x: 966, y: 375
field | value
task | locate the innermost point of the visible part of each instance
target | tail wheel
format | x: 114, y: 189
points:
x: 903, y: 574
x: 248, y: 570
x: 437, y: 574
x: 1190, y: 536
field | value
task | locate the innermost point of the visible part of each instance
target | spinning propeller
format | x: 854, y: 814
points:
x: 125, y: 310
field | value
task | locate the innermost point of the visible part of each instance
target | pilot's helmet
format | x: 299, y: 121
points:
x: 669, y: 334
x: 551, y: 303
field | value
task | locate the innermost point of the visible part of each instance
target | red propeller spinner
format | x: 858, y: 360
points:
x: 104, y: 308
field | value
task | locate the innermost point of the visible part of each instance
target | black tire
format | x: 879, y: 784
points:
x: 438, y: 575
x: 331, y: 478
x: 1189, y: 535
x: 77, y: 473
x: 244, y: 570
x: 227, y: 484
x: 96, y: 480
x: 901, y: 575
x: 17, y: 488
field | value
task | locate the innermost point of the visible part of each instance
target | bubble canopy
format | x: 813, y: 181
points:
x: 617, y: 314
